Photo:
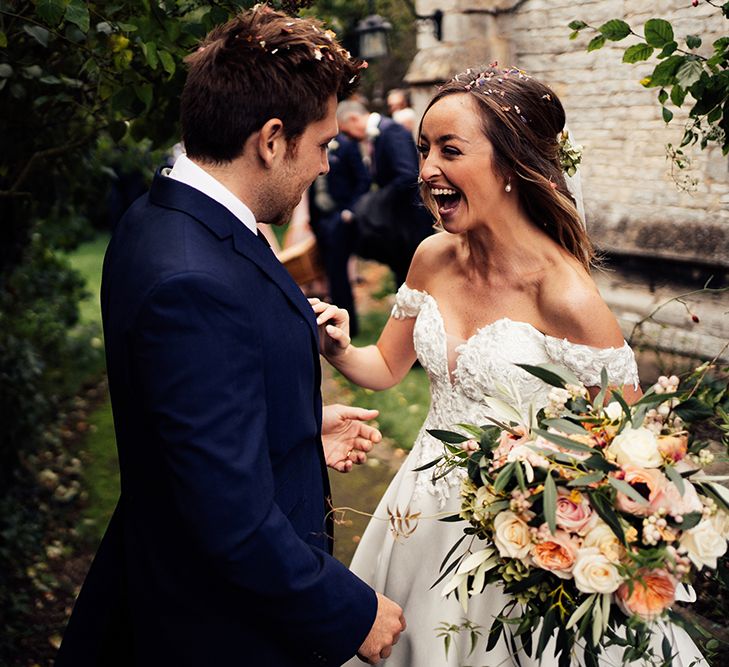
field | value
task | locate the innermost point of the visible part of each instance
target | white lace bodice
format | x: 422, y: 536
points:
x: 485, y: 366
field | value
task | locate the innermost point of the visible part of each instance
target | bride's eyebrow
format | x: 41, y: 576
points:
x: 450, y: 137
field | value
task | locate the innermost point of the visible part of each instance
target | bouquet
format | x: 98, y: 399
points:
x: 590, y: 515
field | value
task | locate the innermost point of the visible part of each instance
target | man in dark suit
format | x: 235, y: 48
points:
x: 333, y: 197
x: 394, y: 167
x: 219, y: 552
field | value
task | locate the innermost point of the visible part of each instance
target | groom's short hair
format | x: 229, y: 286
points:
x: 262, y: 64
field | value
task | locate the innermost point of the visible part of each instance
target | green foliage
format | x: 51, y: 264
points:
x: 681, y: 72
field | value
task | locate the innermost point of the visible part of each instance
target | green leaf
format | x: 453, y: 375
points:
x: 3, y: 40
x: 50, y: 11
x: 637, y: 52
x: 615, y: 30
x: 689, y: 73
x: 502, y: 479
x: 550, y: 503
x: 693, y: 410
x: 77, y: 12
x: 690, y: 520
x: 663, y: 74
x: 520, y: 475
x: 149, y: 50
x: 548, y: 376
x: 596, y: 43
x: 627, y: 490
x: 563, y: 442
x: 586, y: 480
x: 607, y: 514
x: 117, y: 131
x: 667, y: 50
x: 576, y: 25
x: 447, y: 436
x: 658, y: 32
x: 693, y: 41
x: 39, y: 34
x: 168, y: 62
x: 667, y: 114
x: 566, y: 426
x: 145, y: 92
x: 662, y: 96
x: 597, y: 462
x: 6, y: 71
x: 676, y: 478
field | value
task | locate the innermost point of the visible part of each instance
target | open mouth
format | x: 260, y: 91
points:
x: 447, y: 200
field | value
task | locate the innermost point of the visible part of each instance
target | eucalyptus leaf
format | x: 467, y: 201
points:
x: 586, y: 480
x: 451, y: 437
x: 566, y: 426
x: 562, y: 441
x: 676, y: 478
x: 627, y: 490
x: 550, y: 503
x: 544, y: 374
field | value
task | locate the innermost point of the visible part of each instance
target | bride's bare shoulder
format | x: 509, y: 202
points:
x: 572, y: 307
x: 432, y: 256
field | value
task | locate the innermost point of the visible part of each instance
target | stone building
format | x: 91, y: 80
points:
x: 634, y: 208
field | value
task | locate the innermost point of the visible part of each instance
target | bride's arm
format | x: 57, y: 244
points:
x: 377, y: 367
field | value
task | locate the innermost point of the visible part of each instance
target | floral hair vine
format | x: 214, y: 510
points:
x: 570, y: 155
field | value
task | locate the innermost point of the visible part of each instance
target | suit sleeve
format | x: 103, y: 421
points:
x: 401, y: 157
x: 198, y: 365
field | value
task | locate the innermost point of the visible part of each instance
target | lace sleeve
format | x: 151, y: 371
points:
x: 407, y: 302
x: 587, y: 362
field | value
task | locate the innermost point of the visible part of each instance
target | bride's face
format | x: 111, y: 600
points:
x: 456, y: 162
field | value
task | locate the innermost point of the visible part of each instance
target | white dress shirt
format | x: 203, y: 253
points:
x: 189, y: 173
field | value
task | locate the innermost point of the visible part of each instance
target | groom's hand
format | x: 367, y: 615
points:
x: 385, y: 632
x: 345, y: 436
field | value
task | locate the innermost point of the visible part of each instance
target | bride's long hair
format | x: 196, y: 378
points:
x: 523, y: 118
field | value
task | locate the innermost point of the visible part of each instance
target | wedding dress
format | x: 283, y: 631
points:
x: 403, y: 568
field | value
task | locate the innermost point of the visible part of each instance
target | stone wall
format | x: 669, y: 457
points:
x: 633, y: 205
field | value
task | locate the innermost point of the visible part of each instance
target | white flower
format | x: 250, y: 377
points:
x: 637, y: 447
x: 703, y: 544
x: 613, y: 411
x: 333, y: 145
x: 594, y: 573
x: 602, y: 538
x: 720, y: 521
x: 511, y: 536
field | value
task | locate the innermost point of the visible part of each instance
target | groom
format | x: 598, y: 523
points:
x: 219, y: 553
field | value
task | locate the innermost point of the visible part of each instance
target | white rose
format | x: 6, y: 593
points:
x: 613, y: 411
x: 720, y: 521
x: 637, y: 447
x: 703, y: 544
x: 602, y: 538
x: 511, y: 536
x: 594, y: 573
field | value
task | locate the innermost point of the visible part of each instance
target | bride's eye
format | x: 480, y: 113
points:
x: 451, y: 151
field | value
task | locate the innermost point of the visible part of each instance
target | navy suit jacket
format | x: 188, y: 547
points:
x: 218, y: 552
x: 395, y: 157
x: 348, y: 178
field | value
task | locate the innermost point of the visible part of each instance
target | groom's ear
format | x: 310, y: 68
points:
x: 271, y: 142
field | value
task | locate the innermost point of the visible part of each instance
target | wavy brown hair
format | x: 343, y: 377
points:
x: 522, y: 119
x: 261, y: 64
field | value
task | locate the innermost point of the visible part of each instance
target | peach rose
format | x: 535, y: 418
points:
x: 644, y: 480
x: 673, y: 447
x: 507, y: 441
x: 676, y: 504
x: 653, y: 592
x: 557, y: 554
x: 512, y: 536
x: 573, y: 510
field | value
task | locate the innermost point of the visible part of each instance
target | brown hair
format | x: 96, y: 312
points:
x: 522, y: 119
x: 262, y: 64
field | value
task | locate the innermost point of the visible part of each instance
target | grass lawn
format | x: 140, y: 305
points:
x: 87, y: 259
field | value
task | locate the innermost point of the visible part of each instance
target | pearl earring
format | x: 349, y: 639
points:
x: 507, y: 187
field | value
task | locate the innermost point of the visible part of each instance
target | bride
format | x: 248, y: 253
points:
x: 508, y: 282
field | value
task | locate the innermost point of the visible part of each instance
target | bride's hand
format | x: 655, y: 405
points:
x: 333, y: 323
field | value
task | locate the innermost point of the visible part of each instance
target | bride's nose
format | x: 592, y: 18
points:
x: 429, y: 169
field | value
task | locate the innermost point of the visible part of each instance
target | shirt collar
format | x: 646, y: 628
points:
x: 188, y: 172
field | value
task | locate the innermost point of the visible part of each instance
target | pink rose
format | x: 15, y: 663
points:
x: 573, y: 510
x: 557, y: 554
x: 653, y: 591
x: 650, y: 481
x: 676, y: 504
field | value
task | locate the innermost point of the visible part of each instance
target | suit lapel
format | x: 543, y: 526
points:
x: 181, y: 197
